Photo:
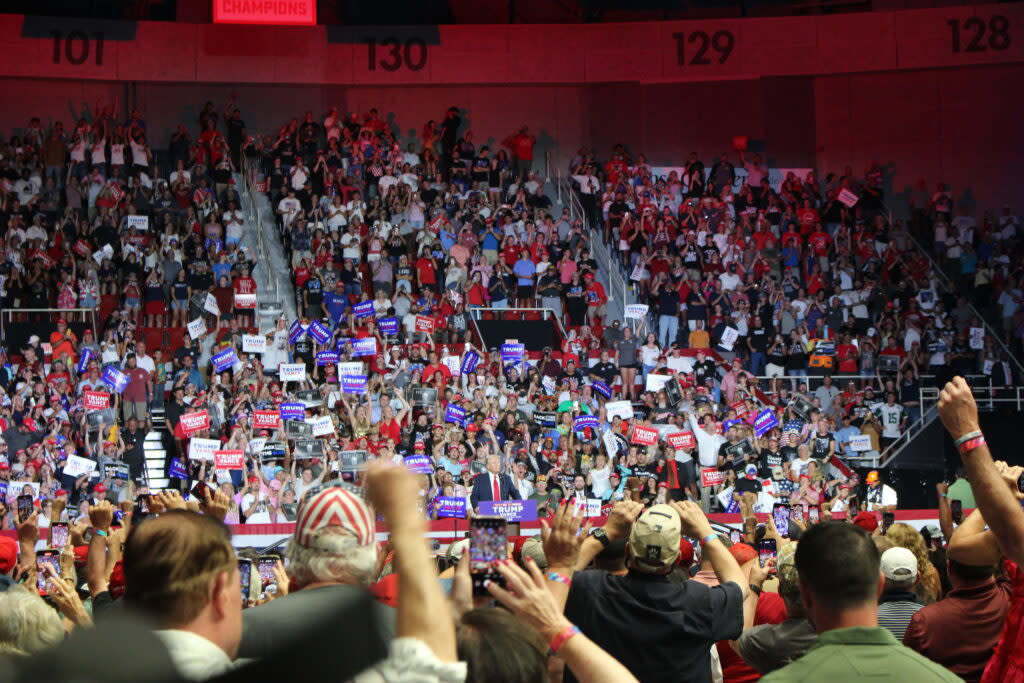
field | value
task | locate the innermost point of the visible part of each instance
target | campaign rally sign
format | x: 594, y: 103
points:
x: 623, y: 409
x: 455, y: 414
x: 243, y: 300
x: 729, y: 337
x: 765, y: 422
x: 388, y: 326
x: 450, y: 506
x: 469, y: 362
x: 83, y: 360
x: 81, y: 247
x: 709, y: 476
x: 76, y: 466
x: 292, y: 372
x: 512, y: 353
x: 681, y: 440
x: 603, y: 389
x: 137, y: 222
x: 860, y: 443
x: 321, y: 426
x: 177, y: 470
x: 350, y: 368
x: 327, y: 357
x: 202, y: 449
x: 424, y: 323
x: 363, y: 309
x: 229, y: 460
x: 367, y: 346
x: 296, y: 332
x: 510, y: 510
x: 740, y: 407
x: 847, y: 198
x: 581, y: 422
x: 319, y: 332
x: 353, y: 384
x: 114, y: 378
x: 210, y: 305
x: 196, y: 328
x: 95, y: 400
x: 266, y: 419
x: 192, y: 423
x: 545, y: 418
x: 731, y: 423
x: 292, y: 411
x: 225, y: 359
x: 419, y: 464
x: 635, y: 311
x: 254, y: 343
x: 645, y: 436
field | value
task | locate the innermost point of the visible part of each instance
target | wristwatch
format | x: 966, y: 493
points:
x: 601, y: 535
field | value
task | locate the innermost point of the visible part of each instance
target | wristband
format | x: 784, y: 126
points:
x: 559, y: 578
x: 968, y: 446
x: 966, y: 437
x: 100, y: 532
x: 756, y: 589
x: 707, y: 539
x: 559, y: 640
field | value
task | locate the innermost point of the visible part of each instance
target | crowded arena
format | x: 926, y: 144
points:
x: 437, y: 361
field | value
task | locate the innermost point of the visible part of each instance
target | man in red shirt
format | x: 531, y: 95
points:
x: 434, y: 366
x: 596, y: 298
x: 521, y: 145
x: 135, y: 398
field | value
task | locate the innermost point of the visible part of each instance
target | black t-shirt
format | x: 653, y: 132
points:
x: 819, y: 445
x: 314, y: 291
x: 744, y: 485
x: 659, y: 630
x: 606, y: 371
x: 702, y: 370
x: 768, y: 461
x: 759, y: 337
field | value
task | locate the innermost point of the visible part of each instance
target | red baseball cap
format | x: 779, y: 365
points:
x: 866, y: 521
x: 685, y: 558
x: 100, y: 488
x: 8, y: 554
x: 743, y: 552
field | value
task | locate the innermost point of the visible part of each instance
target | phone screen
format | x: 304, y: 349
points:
x: 58, y: 535
x: 781, y: 515
x: 198, y: 489
x: 488, y: 543
x: 796, y: 513
x: 25, y: 508
x: 766, y: 550
x: 245, y: 570
x: 265, y: 567
x: 887, y: 519
x: 956, y: 508
x: 44, y: 558
x: 735, y: 536
x: 814, y: 514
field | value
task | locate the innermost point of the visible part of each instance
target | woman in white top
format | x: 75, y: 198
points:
x: 98, y: 155
x: 336, y: 214
x: 117, y: 153
x: 277, y: 346
x: 649, y: 354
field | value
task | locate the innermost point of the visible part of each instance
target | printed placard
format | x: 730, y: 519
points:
x: 545, y: 418
x: 292, y: 372
x: 137, y: 222
x: 81, y: 247
x: 106, y: 252
x: 581, y: 422
x: 229, y: 460
x: 645, y: 436
x: 95, y: 400
x: 224, y: 359
x: 424, y: 324
x: 192, y: 423
x: 657, y: 382
x: 76, y: 466
x: 512, y: 353
x: 765, y: 422
x: 211, y: 305
x: 350, y: 368
x: 510, y: 510
x: 740, y: 407
x: 455, y: 414
x: 296, y: 331
x: 254, y: 343
x: 353, y: 384
x: 326, y: 358
x: 731, y: 423
x: 469, y: 362
x: 860, y: 443
x: 729, y: 337
x: 322, y: 425
x: 977, y: 339
x: 292, y: 411
x: 709, y: 476
x: 623, y: 409
x: 266, y: 419
x: 196, y: 328
x: 603, y: 389
x: 419, y: 464
x: 847, y: 198
x: 453, y: 365
x: 319, y: 332
x: 450, y: 507
x: 177, y: 470
x: 636, y: 311
x: 611, y: 444
x: 367, y: 346
x: 245, y: 300
x: 388, y: 326
x: 83, y: 360
x: 363, y: 309
x: 114, y: 378
x: 202, y: 449
x: 679, y: 440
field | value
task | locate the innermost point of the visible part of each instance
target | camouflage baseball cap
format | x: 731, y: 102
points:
x: 654, y: 539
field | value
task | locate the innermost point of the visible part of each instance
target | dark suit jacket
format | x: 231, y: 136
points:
x: 482, y: 488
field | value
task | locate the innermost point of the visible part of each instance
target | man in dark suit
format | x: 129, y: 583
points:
x: 492, y: 485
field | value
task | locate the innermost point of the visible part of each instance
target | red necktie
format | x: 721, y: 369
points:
x: 497, y: 489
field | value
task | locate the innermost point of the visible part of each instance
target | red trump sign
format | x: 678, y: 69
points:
x: 277, y: 12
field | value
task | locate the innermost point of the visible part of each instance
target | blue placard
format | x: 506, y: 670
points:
x: 512, y: 353
x: 449, y: 506
x: 83, y: 360
x: 419, y: 464
x: 367, y: 346
x: 510, y: 510
x: 455, y: 414
x: 296, y: 332
x: 222, y: 360
x: 353, y: 384
x: 3, y: 488
x: 340, y: 343
x: 177, y: 470
x: 319, y: 332
x: 730, y: 423
x: 765, y: 422
x: 292, y: 411
x: 326, y: 357
x: 469, y: 362
x: 114, y: 378
x: 603, y: 389
x: 363, y: 309
x: 388, y: 325
x: 583, y: 421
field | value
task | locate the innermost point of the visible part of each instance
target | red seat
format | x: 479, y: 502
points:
x: 175, y: 338
x: 154, y: 337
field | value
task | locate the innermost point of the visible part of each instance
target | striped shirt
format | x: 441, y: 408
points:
x: 895, y: 611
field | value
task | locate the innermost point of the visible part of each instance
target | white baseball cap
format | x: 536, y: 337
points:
x: 899, y: 564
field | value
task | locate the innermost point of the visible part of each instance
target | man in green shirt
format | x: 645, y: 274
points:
x: 839, y: 580
x: 961, y: 490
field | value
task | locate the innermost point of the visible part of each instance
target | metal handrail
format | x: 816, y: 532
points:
x: 261, y: 246
x: 8, y: 313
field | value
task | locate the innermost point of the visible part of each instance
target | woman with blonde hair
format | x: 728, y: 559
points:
x: 929, y: 588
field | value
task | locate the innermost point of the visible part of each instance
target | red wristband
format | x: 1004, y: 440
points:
x: 559, y: 640
x: 968, y: 446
